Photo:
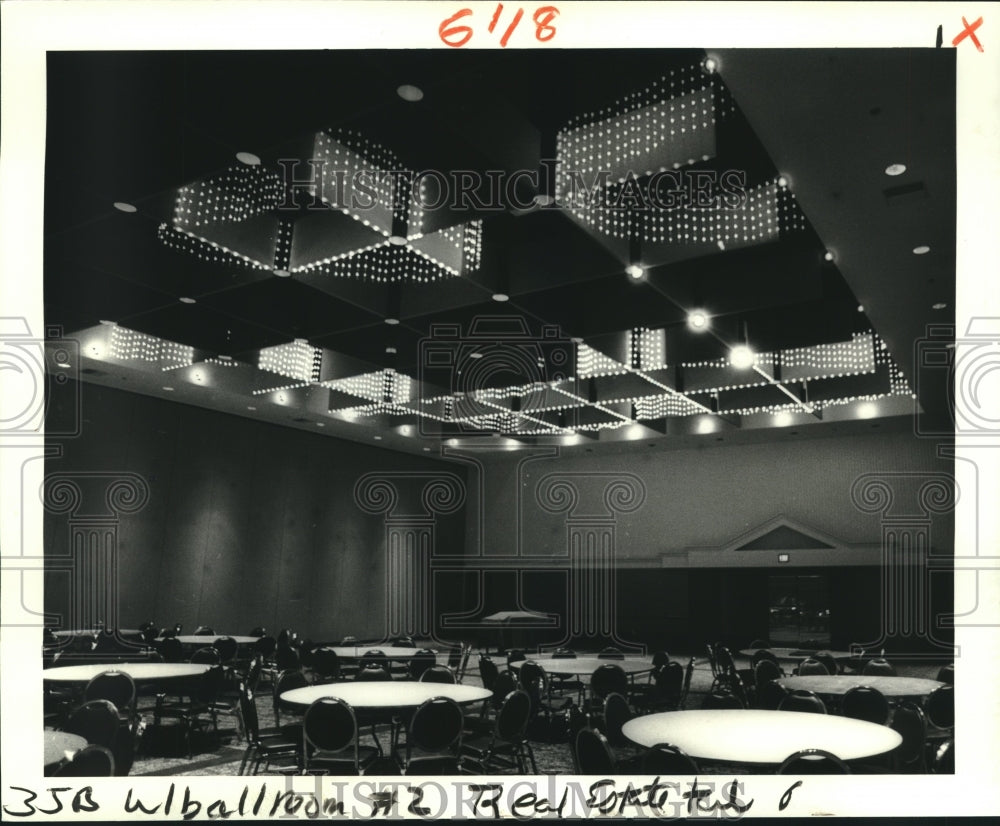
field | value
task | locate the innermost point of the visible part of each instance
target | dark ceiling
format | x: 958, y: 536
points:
x: 134, y: 127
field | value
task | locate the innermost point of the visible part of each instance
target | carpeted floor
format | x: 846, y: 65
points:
x: 161, y: 752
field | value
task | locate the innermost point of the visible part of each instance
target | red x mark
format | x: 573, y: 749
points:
x: 969, y: 31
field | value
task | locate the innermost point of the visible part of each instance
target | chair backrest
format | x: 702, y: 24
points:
x: 763, y: 654
x: 866, y: 703
x: 287, y: 680
x: 770, y: 696
x: 326, y: 663
x: 909, y: 721
x: 563, y: 654
x: 286, y: 636
x: 722, y: 698
x: 669, y: 681
x: 944, y: 758
x: 660, y: 658
x: 463, y: 666
x: 688, y: 676
x: 455, y: 655
x: 812, y: 666
x: 96, y: 722
x: 207, y: 687
x: 373, y: 672
x: 438, y: 674
x: 116, y: 686
x: 593, y: 753
x: 149, y: 634
x: 205, y: 656
x: 611, y: 653
x: 801, y: 700
x: 488, y: 671
x: 170, y: 649
x: 90, y: 761
x: 608, y: 678
x: 503, y: 685
x: 349, y: 640
x: 266, y: 646
x: 287, y: 657
x: 710, y: 653
x: 373, y: 656
x: 513, y: 715
x: 515, y: 655
x: 423, y: 659
x: 940, y: 707
x: 724, y: 660
x: 765, y: 671
x: 226, y: 646
x: 204, y: 631
x: 248, y: 713
x: 616, y: 714
x: 946, y: 674
x: 405, y: 641
x: 880, y: 667
x: 436, y: 725
x: 257, y: 631
x: 329, y: 724
x: 813, y: 761
x: 828, y: 660
x: 758, y: 643
x: 665, y: 758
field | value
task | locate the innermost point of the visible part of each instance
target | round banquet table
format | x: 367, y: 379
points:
x: 840, y: 684
x: 139, y: 672
x: 760, y: 737
x: 356, y: 652
x: 798, y: 654
x: 385, y: 695
x: 93, y: 632
x: 207, y: 640
x: 585, y: 666
x: 60, y: 745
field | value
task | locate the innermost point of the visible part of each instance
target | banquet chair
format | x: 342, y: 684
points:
x: 90, y: 761
x: 257, y: 631
x: 764, y: 654
x: 665, y: 691
x: 943, y: 761
x: 373, y: 656
x: 878, y: 667
x: 535, y: 681
x: 611, y: 653
x: 204, y: 693
x: 204, y: 631
x: 769, y: 696
x: 759, y: 643
x: 728, y: 676
x: 325, y: 665
x: 205, y: 656
x: 593, y: 754
x: 287, y: 657
x: 171, y: 650
x: 865, y: 703
x: 423, y: 659
x: 564, y: 683
x: 664, y: 758
x: 939, y: 709
x: 405, y: 641
x: 434, y: 738
x: 287, y: 680
x: 505, y: 743
x: 226, y: 648
x: 464, y: 665
x: 265, y: 746
x: 828, y: 660
x: 615, y: 715
x: 488, y: 671
x: 99, y: 723
x: 859, y: 657
x: 801, y: 700
x: 373, y: 672
x: 606, y: 679
x: 330, y: 739
x: 515, y: 655
x: 812, y: 667
x: 438, y: 674
x: 813, y: 761
x: 946, y: 674
x: 117, y: 687
x: 909, y: 721
x: 503, y: 685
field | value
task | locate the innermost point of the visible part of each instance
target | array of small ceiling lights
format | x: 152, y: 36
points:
x: 568, y: 406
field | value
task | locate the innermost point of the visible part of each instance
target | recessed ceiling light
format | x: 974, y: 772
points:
x: 392, y: 321
x: 186, y: 300
x: 923, y: 249
x: 282, y: 273
x: 895, y: 169
x: 782, y: 419
x: 867, y: 410
x: 828, y: 256
x: 476, y: 355
x: 710, y: 64
x: 248, y: 158
x: 124, y: 206
x: 320, y: 424
x: 410, y: 93
x: 698, y: 320
x: 427, y: 450
x: 635, y: 271
x: 939, y: 306
x: 378, y: 438
x: 397, y: 240
x: 391, y: 350
x: 741, y: 357
x: 251, y: 407
x: 168, y: 388
x: 782, y: 181
x: 861, y: 308
x: 501, y: 297
x: 405, y: 430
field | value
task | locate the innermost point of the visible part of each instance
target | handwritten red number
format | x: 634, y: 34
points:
x: 496, y: 18
x: 455, y: 36
x: 543, y: 17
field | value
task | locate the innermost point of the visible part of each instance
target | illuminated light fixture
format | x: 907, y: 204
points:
x: 782, y: 419
x: 391, y: 321
x: 783, y: 181
x: 406, y: 430
x: 783, y: 557
x: 923, y: 249
x: 390, y: 350
x: 706, y: 425
x: 62, y: 361
x: 426, y: 450
x: 867, y: 410
x: 635, y: 271
x: 248, y: 158
x: 543, y: 200
x: 721, y: 245
x: 828, y: 256
x: 635, y: 431
x: 741, y: 357
x: 939, y: 306
x: 500, y: 297
x: 186, y: 300
x: 397, y: 240
x: 349, y: 414
x: 710, y: 64
x: 861, y: 308
x: 166, y: 387
x: 251, y: 407
x: 320, y: 424
x: 378, y: 438
x: 452, y: 442
x: 124, y: 206
x: 282, y: 273
x: 895, y: 169
x: 698, y: 320
x: 410, y: 93
x: 475, y: 355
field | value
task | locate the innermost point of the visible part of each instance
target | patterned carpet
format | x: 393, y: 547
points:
x: 162, y: 752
